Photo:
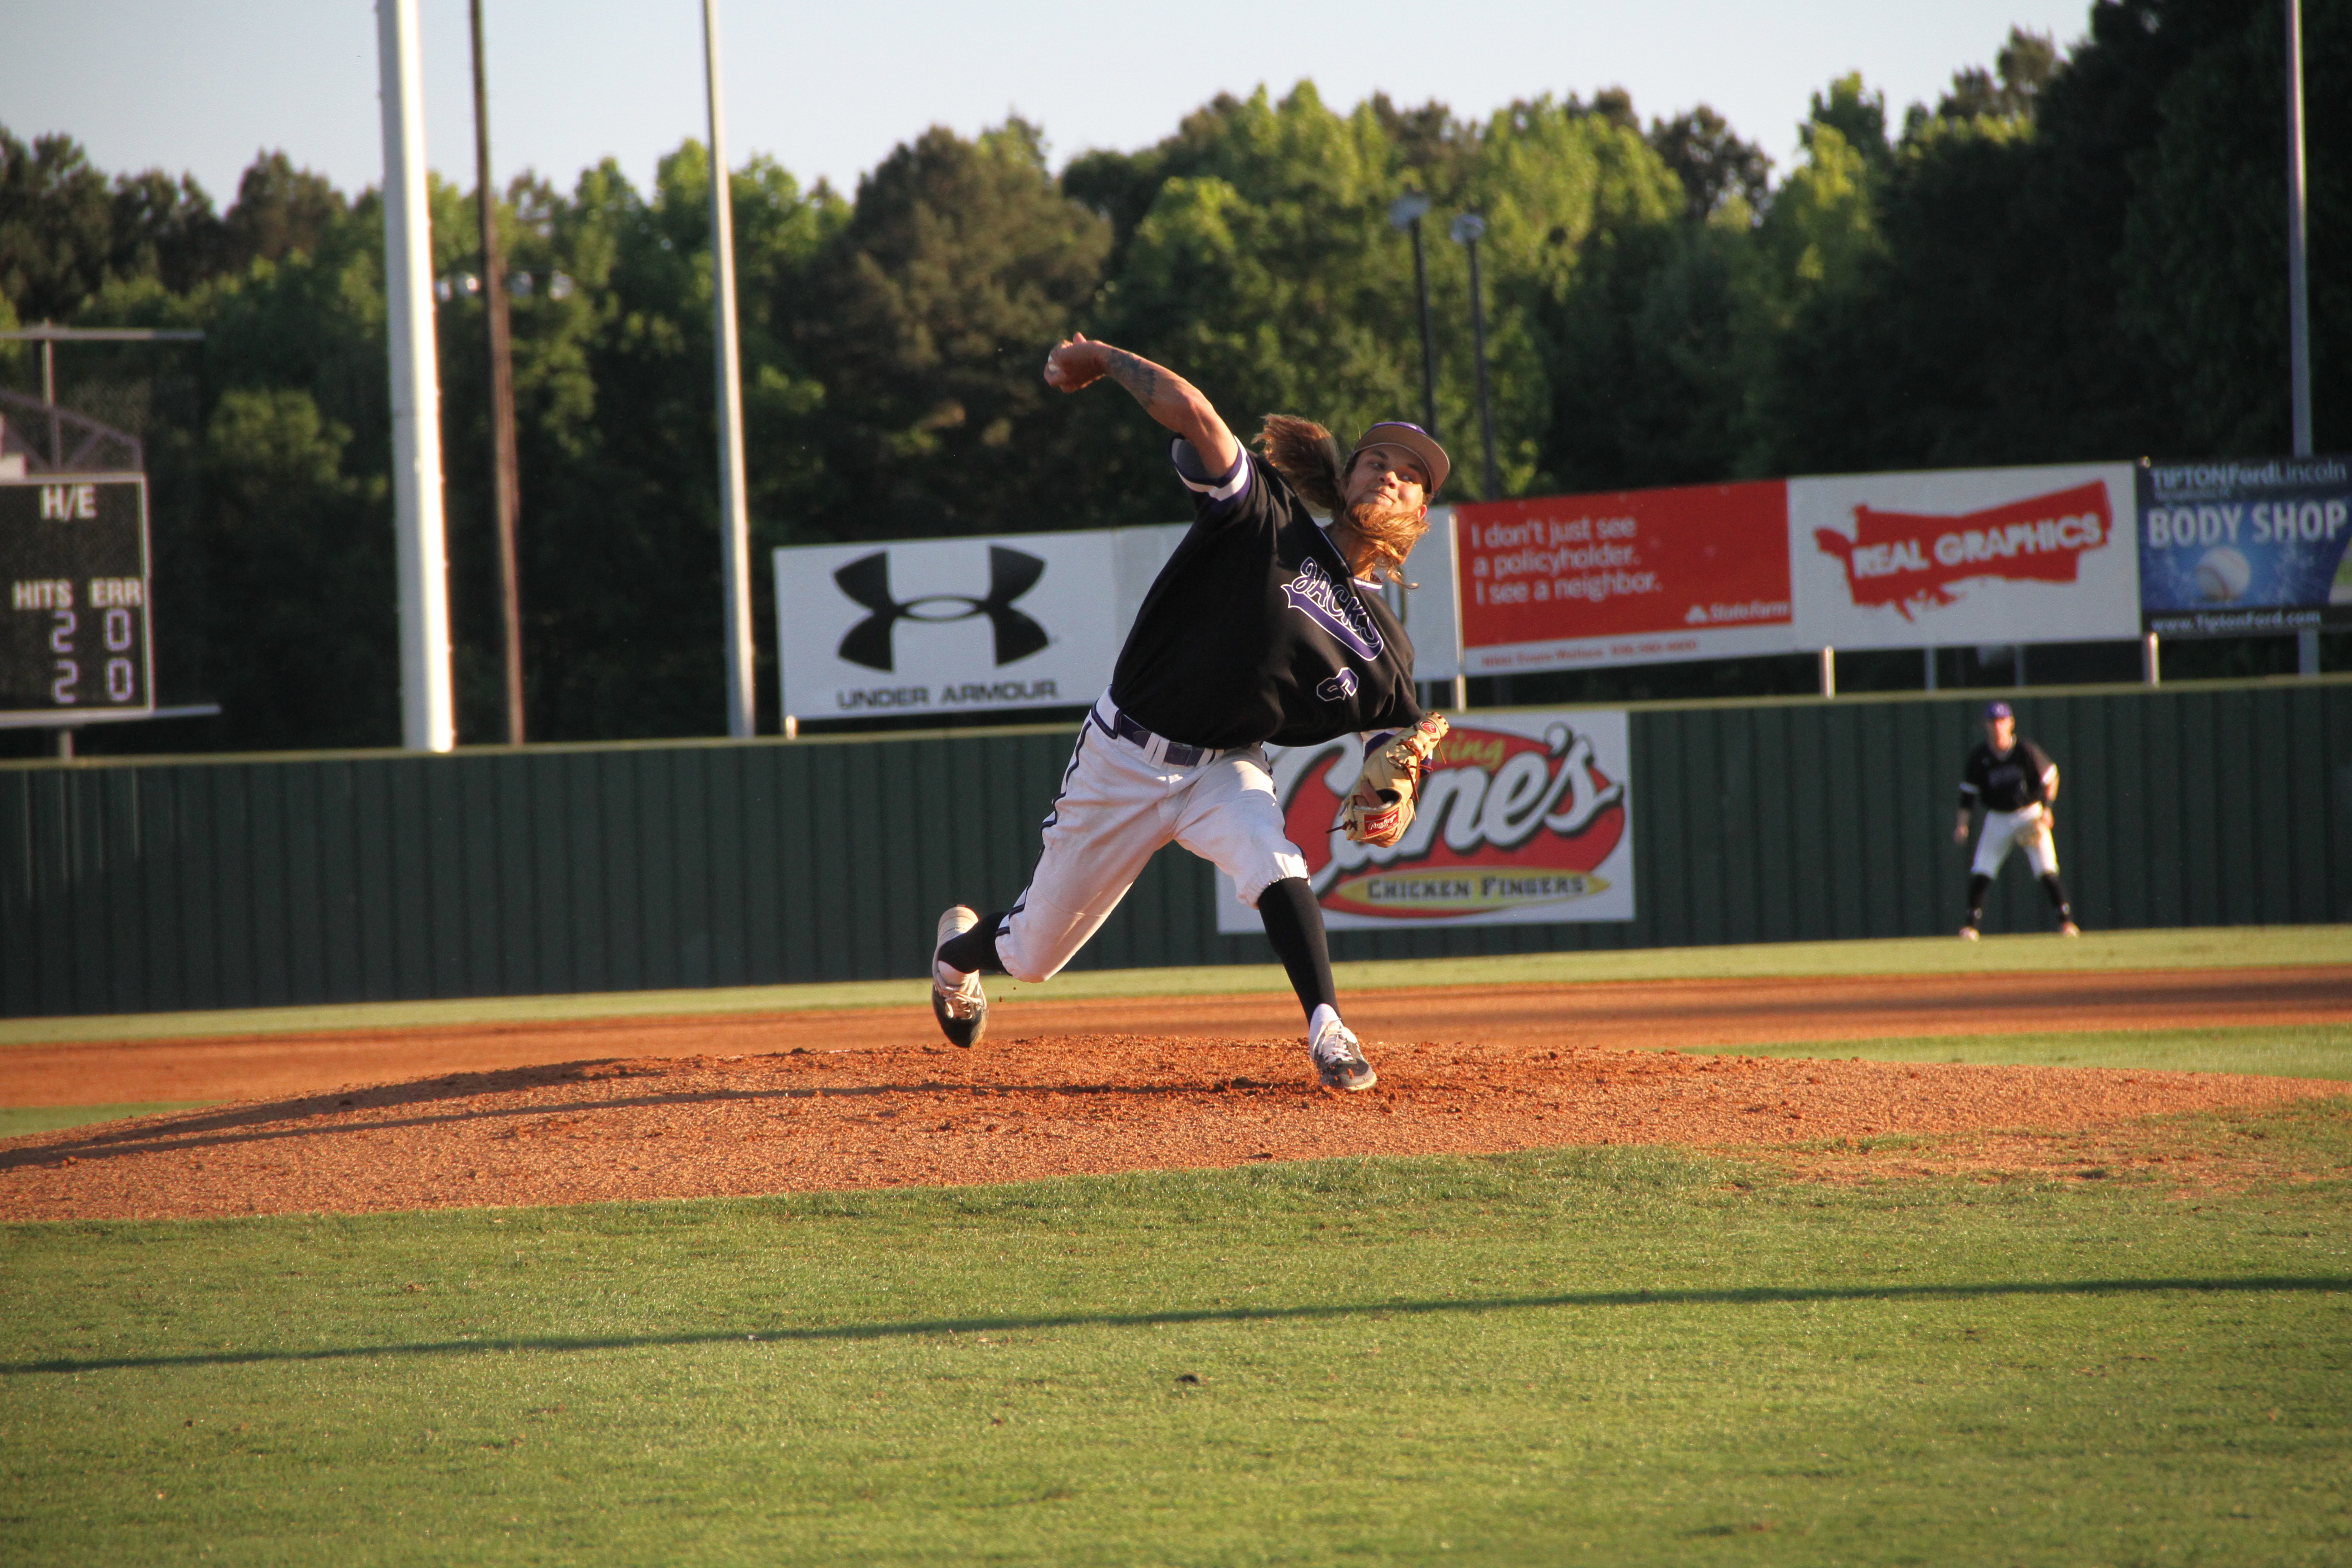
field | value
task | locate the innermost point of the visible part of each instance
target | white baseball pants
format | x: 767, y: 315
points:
x: 1116, y: 808
x: 2026, y: 829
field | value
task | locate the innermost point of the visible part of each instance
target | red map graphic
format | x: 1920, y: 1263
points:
x: 1517, y: 777
x: 1910, y: 559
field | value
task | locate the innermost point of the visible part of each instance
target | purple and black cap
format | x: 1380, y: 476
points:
x: 1998, y: 711
x: 1414, y: 439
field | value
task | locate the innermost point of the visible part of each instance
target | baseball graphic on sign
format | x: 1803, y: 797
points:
x: 2223, y: 576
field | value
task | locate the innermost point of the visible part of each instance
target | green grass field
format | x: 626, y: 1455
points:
x: 1614, y: 1355
x: 1607, y: 1355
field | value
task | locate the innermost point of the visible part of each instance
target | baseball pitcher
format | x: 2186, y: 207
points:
x: 1265, y: 626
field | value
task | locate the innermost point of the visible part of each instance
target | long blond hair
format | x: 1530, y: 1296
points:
x: 1310, y: 460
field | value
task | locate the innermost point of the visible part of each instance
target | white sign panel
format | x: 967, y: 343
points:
x: 947, y: 626
x: 1962, y: 556
x: 1525, y: 818
x: 1025, y: 620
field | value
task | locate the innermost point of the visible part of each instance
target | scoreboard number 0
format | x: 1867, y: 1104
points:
x: 74, y: 625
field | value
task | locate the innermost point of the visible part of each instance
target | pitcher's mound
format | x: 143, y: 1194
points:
x: 900, y: 1115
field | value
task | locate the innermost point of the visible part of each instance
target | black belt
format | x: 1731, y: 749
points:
x: 1176, y: 752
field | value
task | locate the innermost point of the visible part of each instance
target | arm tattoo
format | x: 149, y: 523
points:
x: 1137, y: 374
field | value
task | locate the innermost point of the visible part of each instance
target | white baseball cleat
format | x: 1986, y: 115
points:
x: 960, y: 1006
x: 1968, y: 934
x: 1340, y: 1058
x: 2068, y: 928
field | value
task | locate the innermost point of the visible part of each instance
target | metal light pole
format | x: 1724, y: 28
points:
x: 1467, y: 230
x: 734, y: 519
x: 2298, y: 291
x: 427, y: 709
x: 505, y: 487
x: 1406, y: 213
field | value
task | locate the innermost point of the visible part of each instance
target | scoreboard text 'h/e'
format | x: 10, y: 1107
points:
x: 74, y: 625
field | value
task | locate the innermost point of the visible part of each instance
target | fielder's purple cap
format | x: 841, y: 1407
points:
x: 1998, y: 711
x: 1411, y: 438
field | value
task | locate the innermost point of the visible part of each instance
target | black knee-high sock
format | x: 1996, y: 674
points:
x: 1978, y: 885
x: 975, y: 949
x: 2057, y: 891
x: 1294, y: 924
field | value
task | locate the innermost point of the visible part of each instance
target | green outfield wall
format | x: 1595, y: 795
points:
x: 145, y: 884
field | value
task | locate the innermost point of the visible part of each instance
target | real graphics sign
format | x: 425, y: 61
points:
x: 1633, y: 577
x: 2229, y: 548
x: 1976, y: 555
x: 1524, y: 818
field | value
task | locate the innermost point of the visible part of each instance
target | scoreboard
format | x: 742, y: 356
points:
x: 74, y: 582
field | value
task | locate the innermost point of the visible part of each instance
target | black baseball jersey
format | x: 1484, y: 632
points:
x: 1254, y: 631
x: 2004, y: 781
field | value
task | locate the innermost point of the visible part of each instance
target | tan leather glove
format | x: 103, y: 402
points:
x: 1379, y: 809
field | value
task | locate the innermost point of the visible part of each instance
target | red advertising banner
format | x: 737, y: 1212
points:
x: 1632, y: 575
x: 1525, y: 817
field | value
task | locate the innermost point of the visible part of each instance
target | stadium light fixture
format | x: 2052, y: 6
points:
x: 1468, y: 229
x: 1406, y: 213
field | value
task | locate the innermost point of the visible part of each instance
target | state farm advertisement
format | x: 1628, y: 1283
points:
x: 1977, y: 556
x: 1633, y: 576
x: 1525, y: 820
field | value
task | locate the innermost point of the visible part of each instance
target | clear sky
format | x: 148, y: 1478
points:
x: 828, y: 90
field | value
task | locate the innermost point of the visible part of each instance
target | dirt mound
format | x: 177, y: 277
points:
x: 1618, y: 1014
x: 893, y: 1115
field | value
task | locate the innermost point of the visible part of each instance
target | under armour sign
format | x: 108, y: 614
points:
x: 1011, y: 573
x: 946, y: 627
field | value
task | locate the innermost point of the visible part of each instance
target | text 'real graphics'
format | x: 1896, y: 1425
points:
x: 1524, y: 819
x: 1627, y: 577
x: 1952, y: 557
x: 1911, y: 560
x: 74, y: 625
x: 2232, y: 548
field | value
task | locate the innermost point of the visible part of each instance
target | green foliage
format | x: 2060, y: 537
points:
x: 292, y: 531
x: 2071, y: 256
x: 1584, y: 1355
x: 925, y: 321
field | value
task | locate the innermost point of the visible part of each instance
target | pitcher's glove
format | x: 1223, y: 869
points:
x: 1379, y: 809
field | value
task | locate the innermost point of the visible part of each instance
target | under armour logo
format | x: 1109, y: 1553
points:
x: 1011, y: 573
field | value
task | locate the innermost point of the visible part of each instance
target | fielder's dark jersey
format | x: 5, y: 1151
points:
x: 2004, y: 781
x: 1254, y: 632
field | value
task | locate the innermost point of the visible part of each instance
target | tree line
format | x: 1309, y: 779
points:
x: 2075, y: 253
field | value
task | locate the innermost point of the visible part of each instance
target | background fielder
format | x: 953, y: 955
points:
x: 2017, y: 783
x: 1265, y: 625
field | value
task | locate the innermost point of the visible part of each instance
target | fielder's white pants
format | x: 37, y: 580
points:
x: 1116, y: 808
x: 2027, y: 830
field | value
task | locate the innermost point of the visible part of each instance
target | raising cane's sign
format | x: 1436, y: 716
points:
x: 1524, y: 819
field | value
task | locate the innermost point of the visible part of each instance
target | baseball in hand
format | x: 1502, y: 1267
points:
x: 1075, y: 363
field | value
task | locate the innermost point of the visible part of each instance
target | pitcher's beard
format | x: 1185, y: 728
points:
x: 1391, y: 530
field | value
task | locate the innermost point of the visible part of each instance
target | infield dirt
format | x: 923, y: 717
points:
x: 636, y: 1108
